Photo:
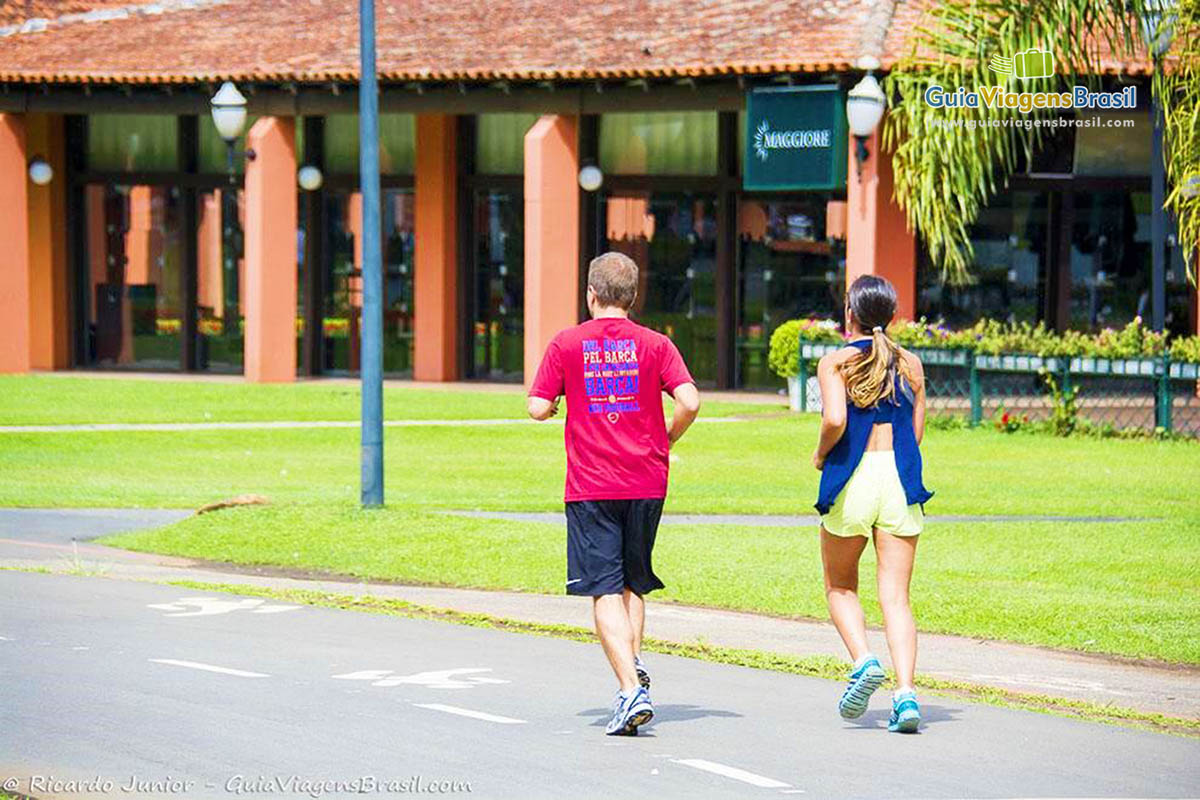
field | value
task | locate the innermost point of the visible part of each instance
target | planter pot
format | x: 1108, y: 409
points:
x: 812, y: 390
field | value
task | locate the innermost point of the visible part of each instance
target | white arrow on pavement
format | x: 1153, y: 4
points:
x: 208, y: 606
x: 439, y: 679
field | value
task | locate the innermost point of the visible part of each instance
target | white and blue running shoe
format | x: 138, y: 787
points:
x: 906, y: 714
x: 863, y: 683
x: 642, y: 675
x: 629, y: 711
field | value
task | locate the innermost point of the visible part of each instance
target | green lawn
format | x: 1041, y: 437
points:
x: 1125, y: 588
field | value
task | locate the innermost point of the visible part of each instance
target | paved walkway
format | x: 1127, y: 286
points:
x: 782, y: 520
x: 32, y: 538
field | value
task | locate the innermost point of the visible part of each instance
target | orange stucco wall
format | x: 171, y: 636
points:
x: 49, y: 312
x: 435, y: 270
x: 551, y: 234
x: 270, y: 281
x: 14, y: 255
x: 878, y: 241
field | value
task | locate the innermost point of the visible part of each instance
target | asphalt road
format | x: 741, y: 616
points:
x: 110, y: 680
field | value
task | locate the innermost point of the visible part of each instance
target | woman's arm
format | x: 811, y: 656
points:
x: 833, y: 408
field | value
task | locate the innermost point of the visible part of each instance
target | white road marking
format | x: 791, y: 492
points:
x: 208, y: 606
x: 5, y: 639
x: 210, y: 668
x: 81, y: 647
x: 466, y: 712
x: 732, y: 772
x: 439, y: 679
x: 1046, y: 682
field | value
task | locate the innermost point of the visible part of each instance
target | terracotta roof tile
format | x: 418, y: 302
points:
x: 476, y: 40
x: 910, y: 15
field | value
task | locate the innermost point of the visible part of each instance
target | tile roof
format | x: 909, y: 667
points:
x: 437, y: 40
x: 909, y: 16
x: 187, y: 41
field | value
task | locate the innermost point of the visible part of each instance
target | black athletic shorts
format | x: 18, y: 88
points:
x: 609, y: 544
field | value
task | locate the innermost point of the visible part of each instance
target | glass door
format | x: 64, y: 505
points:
x: 134, y: 305
x: 498, y: 286
x: 786, y: 269
x: 672, y: 236
x: 342, y: 321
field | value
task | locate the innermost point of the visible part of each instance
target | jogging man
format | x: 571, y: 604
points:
x: 613, y: 373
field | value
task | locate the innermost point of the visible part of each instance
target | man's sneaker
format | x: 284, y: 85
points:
x: 629, y: 712
x: 643, y: 675
x: 906, y: 714
x: 863, y: 683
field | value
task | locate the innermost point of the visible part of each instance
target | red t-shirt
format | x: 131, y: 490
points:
x: 613, y: 373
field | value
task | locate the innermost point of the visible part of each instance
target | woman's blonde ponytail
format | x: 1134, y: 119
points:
x: 871, y: 376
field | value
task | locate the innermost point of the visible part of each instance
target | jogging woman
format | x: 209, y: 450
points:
x: 873, y: 418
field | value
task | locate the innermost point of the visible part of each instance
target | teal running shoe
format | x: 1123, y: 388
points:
x: 906, y: 714
x: 863, y: 683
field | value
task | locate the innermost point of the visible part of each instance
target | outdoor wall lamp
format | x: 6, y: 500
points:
x: 590, y: 178
x: 864, y: 109
x: 309, y: 178
x: 40, y: 172
x: 229, y: 116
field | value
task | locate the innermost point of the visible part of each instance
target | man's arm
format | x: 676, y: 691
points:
x: 687, y: 406
x: 540, y: 408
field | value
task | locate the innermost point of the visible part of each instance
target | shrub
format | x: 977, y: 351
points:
x: 784, y: 352
x: 992, y: 337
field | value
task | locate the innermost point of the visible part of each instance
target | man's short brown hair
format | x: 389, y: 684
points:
x: 614, y: 278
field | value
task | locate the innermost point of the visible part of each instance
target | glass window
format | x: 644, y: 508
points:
x: 342, y: 323
x: 134, y: 279
x: 133, y: 142
x: 1116, y: 144
x: 220, y: 279
x: 498, y: 287
x: 1012, y: 257
x: 786, y: 269
x: 669, y: 143
x: 500, y: 143
x: 397, y: 144
x: 673, y: 239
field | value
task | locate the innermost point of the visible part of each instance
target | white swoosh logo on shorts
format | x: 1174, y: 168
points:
x: 577, y: 580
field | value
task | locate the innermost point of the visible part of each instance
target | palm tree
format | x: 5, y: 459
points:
x: 949, y: 162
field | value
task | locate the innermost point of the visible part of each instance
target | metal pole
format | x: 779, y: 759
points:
x: 371, y: 365
x: 1158, y: 225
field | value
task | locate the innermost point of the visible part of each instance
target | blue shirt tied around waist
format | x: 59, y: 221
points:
x: 845, y: 455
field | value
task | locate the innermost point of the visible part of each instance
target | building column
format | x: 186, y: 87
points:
x: 49, y: 309
x: 551, y: 233
x: 14, y: 255
x: 435, y: 268
x: 878, y: 241
x: 271, y: 224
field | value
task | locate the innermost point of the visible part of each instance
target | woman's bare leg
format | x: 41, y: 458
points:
x: 840, y: 556
x: 895, y: 556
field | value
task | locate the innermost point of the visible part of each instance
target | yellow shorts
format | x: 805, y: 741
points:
x: 874, y: 498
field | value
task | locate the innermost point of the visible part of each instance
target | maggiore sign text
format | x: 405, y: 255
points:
x: 795, y: 138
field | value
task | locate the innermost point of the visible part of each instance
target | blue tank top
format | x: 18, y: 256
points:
x: 845, y: 455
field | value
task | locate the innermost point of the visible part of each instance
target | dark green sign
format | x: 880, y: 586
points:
x: 795, y: 138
